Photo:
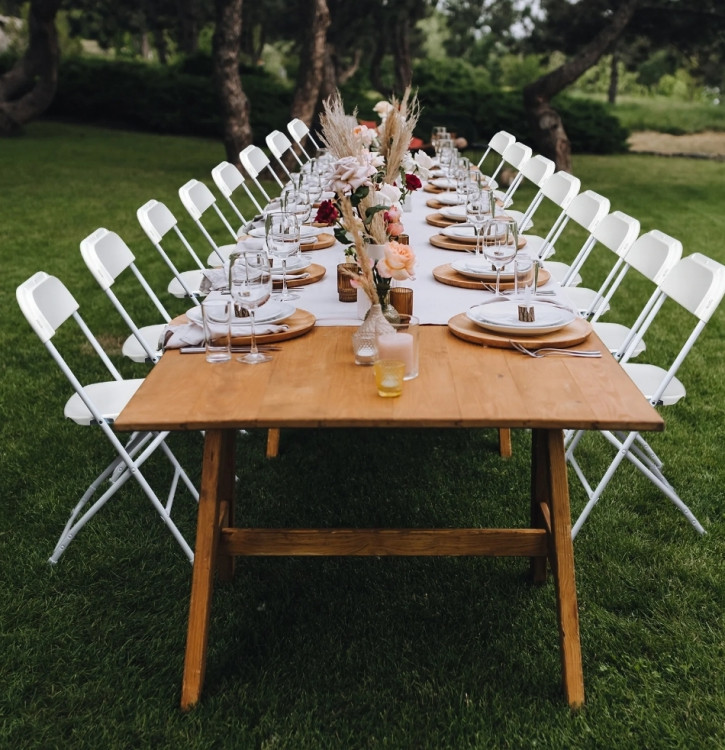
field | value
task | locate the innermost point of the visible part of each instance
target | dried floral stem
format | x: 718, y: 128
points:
x: 397, y: 133
x: 336, y: 128
x: 365, y: 279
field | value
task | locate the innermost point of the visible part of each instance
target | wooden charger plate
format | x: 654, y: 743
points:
x: 324, y: 241
x: 448, y: 243
x: 315, y: 271
x: 298, y: 324
x: 438, y: 220
x: 446, y: 274
x: 571, y: 335
x: 435, y: 189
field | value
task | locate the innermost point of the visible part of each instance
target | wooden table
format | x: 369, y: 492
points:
x: 313, y: 382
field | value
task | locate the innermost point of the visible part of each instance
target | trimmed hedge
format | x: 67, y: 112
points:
x: 180, y: 99
x: 161, y: 99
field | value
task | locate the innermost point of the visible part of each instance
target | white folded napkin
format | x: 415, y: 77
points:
x: 190, y: 334
x: 214, y: 279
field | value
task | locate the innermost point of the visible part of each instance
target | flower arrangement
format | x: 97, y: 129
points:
x: 366, y: 208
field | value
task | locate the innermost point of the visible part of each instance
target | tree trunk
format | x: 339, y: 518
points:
x: 28, y: 88
x: 547, y: 128
x: 313, y: 59
x: 188, y: 15
x: 613, y: 78
x: 401, y: 53
x: 235, y: 105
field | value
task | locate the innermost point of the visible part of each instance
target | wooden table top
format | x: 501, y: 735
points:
x: 314, y: 382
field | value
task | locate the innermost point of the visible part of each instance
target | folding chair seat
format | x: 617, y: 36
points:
x: 47, y: 305
x: 498, y: 144
x: 228, y: 178
x: 697, y: 284
x: 299, y: 131
x: 107, y: 257
x: 279, y: 145
x: 197, y: 199
x: 561, y: 189
x: 653, y: 255
x: 615, y: 232
x: 255, y: 161
x: 157, y: 221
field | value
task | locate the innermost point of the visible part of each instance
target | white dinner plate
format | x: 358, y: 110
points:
x: 295, y: 264
x: 443, y: 182
x: 270, y: 312
x: 482, y: 270
x: 460, y: 232
x: 457, y: 213
x: 502, y: 316
x: 449, y: 199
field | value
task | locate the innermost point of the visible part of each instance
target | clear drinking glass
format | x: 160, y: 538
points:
x: 500, y: 244
x: 282, y: 232
x: 250, y: 285
x: 478, y: 211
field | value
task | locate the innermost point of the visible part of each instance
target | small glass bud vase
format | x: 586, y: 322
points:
x: 364, y: 340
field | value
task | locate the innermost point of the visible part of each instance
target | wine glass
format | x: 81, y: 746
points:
x: 282, y: 232
x: 500, y: 244
x: 250, y: 284
x: 299, y: 203
x: 478, y: 211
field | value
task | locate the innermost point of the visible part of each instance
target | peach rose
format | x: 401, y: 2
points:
x: 398, y: 263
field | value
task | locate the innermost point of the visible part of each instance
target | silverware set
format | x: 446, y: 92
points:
x: 548, y: 351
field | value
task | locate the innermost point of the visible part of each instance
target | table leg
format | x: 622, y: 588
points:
x: 504, y: 442
x: 216, y: 450
x: 550, y: 443
x: 540, y: 501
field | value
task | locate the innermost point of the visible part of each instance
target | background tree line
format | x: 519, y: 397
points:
x: 516, y: 55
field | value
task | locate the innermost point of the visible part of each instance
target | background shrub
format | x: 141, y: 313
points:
x: 180, y: 99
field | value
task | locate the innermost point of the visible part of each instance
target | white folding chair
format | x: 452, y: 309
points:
x: 156, y: 220
x: 616, y: 232
x: 279, y: 144
x: 498, y: 144
x: 516, y: 155
x: 653, y: 255
x: 537, y: 171
x: 696, y: 284
x: 299, y: 131
x: 47, y: 304
x: 228, y: 179
x: 254, y: 161
x: 197, y: 199
x: 561, y: 188
x: 107, y: 257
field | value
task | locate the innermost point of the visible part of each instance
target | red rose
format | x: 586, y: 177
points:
x: 412, y: 182
x: 327, y: 213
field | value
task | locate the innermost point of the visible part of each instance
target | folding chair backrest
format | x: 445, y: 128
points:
x: 228, y: 178
x: 538, y: 169
x: 587, y: 209
x: 498, y: 143
x: 517, y: 155
x: 107, y: 257
x: 299, y: 131
x: 47, y: 304
x: 197, y: 198
x: 279, y: 144
x: 157, y: 221
x: 254, y: 160
x: 653, y: 254
x: 561, y: 189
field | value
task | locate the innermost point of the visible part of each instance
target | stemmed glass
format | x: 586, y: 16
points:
x: 282, y: 232
x: 299, y: 203
x: 478, y: 211
x: 500, y: 244
x: 250, y: 284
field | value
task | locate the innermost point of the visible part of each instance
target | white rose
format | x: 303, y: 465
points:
x: 390, y: 194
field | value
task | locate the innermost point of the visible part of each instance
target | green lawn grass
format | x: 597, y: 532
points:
x: 666, y: 114
x: 343, y: 653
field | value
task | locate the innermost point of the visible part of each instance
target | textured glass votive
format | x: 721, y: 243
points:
x: 389, y: 377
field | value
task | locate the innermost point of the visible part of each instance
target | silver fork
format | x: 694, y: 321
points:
x: 548, y: 350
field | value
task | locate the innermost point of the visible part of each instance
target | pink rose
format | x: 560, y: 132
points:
x: 398, y: 263
x: 395, y: 229
x: 349, y: 174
